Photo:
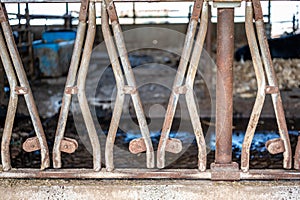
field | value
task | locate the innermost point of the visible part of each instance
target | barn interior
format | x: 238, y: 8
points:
x: 74, y: 102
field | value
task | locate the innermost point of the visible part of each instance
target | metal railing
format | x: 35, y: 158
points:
x: 222, y: 169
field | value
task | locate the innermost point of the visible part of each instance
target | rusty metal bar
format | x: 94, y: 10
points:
x: 173, y: 100
x: 271, y: 77
x: 117, y: 112
x: 82, y: 73
x: 12, y: 105
x: 297, y: 155
x: 191, y: 104
x: 135, y: 96
x: 261, y: 84
x: 19, y: 69
x: 66, y: 100
x: 146, y: 174
x: 120, y: 43
x: 224, y: 93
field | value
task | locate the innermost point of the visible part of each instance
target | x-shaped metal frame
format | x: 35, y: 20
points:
x: 15, y: 72
x: 187, y: 88
x: 141, y: 144
x: 82, y: 57
x: 263, y: 67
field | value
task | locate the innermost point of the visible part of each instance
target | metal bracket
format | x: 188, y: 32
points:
x: 112, y: 13
x: 271, y: 90
x: 83, y: 10
x: 71, y: 90
x: 21, y: 90
x: 197, y: 9
x: 180, y: 90
x: 225, y: 172
x: 275, y: 146
x: 129, y: 89
x: 138, y: 145
x: 67, y: 145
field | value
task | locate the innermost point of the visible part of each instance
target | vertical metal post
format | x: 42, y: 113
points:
x: 224, y: 102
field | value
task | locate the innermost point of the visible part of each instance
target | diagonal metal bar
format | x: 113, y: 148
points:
x: 82, y: 73
x: 261, y: 85
x: 271, y: 77
x: 12, y: 105
x: 18, y: 66
x: 117, y: 112
x: 120, y: 43
x: 173, y: 100
x: 71, y: 78
x: 191, y: 104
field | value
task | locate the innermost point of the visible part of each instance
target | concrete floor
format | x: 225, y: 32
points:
x: 147, y: 189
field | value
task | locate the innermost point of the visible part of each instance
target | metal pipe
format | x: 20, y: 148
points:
x: 224, y: 93
x: 12, y: 105
x: 173, y: 100
x: 18, y: 66
x: 117, y: 112
x: 271, y: 77
x: 271, y: 174
x: 261, y: 85
x: 191, y: 104
x: 135, y: 95
x: 297, y: 155
x: 82, y: 73
x: 70, y: 82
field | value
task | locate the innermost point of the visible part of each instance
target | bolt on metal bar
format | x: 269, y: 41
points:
x: 189, y: 95
x: 12, y: 105
x: 20, y: 72
x: 224, y: 85
x: 272, y: 88
x: 120, y: 44
x: 70, y: 86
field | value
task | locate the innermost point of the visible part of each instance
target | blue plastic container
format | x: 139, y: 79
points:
x: 54, y: 52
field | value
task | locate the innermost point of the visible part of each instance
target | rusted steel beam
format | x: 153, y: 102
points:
x: 261, y: 84
x: 146, y: 174
x: 190, y: 78
x: 21, y: 75
x: 118, y: 107
x: 178, y: 81
x: 12, y: 105
x: 135, y: 96
x: 263, y: 65
x: 79, y: 89
x: 272, y: 81
x: 82, y: 73
x: 224, y: 92
x: 108, y: 10
x: 70, y: 83
x: 297, y: 155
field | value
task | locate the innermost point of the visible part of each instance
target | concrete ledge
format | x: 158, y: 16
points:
x: 147, y: 189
